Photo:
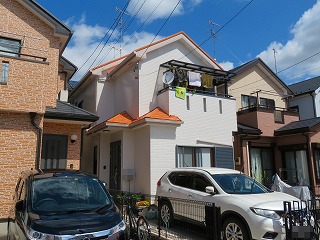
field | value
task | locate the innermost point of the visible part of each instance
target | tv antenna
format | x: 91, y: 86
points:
x: 275, y: 59
x: 114, y: 50
x: 213, y: 34
x: 121, y: 27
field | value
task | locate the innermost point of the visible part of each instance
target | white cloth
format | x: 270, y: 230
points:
x: 301, y: 192
x: 194, y: 79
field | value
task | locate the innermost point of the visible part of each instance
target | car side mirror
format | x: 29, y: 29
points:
x: 20, y: 205
x: 210, y: 190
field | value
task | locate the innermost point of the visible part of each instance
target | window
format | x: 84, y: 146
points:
x: 9, y: 47
x: 4, y: 72
x: 267, y: 103
x: 248, y: 101
x: 200, y: 183
x: 184, y: 179
x: 194, y: 157
x: 296, y: 168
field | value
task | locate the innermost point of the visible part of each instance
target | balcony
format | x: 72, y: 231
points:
x: 266, y: 118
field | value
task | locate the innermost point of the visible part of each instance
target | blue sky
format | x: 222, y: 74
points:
x: 285, y: 34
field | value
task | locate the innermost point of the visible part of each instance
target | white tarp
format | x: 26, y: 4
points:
x: 301, y: 192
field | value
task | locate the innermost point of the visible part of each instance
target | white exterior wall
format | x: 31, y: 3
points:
x: 104, y: 158
x: 163, y: 154
x: 127, y: 149
x: 305, y: 104
x: 105, y: 100
x: 89, y: 96
x: 200, y: 126
x: 148, y: 74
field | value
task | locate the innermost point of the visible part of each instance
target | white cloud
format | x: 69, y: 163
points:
x: 157, y: 9
x: 227, y: 65
x: 303, y: 44
x: 85, y: 42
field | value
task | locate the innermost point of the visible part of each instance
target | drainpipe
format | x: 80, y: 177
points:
x: 32, y: 117
x: 311, y: 173
x: 313, y: 104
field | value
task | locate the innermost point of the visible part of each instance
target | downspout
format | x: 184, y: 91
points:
x: 32, y: 117
x: 313, y: 104
x: 311, y: 178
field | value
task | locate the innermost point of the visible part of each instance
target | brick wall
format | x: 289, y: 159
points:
x: 32, y: 85
x: 18, y: 141
x: 73, y: 148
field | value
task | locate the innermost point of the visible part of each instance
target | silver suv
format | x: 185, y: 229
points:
x: 249, y: 210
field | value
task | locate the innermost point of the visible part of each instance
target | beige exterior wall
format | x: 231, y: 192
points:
x: 255, y: 79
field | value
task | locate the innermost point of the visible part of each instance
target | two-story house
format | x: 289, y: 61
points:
x: 159, y: 109
x: 38, y: 127
x: 271, y: 139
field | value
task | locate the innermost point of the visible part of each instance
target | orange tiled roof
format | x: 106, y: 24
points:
x: 157, y: 113
x: 123, y: 117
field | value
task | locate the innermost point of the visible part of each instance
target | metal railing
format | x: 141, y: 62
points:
x: 190, y: 219
x: 302, y: 219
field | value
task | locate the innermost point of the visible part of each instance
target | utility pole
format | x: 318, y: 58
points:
x: 121, y: 27
x: 213, y: 34
x: 275, y: 60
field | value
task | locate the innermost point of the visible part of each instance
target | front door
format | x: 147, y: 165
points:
x: 54, y: 151
x: 115, y: 165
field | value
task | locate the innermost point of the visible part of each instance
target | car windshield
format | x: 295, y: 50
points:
x: 68, y: 194
x: 239, y: 184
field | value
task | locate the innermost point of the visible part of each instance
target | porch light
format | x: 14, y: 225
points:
x: 73, y: 138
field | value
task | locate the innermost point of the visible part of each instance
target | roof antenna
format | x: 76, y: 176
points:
x: 275, y: 60
x: 121, y: 27
x: 213, y: 34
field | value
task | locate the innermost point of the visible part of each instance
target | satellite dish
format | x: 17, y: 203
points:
x: 167, y: 77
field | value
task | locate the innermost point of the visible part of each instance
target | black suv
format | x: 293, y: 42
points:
x: 62, y: 205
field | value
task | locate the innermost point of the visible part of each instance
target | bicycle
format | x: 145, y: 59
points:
x: 138, y: 227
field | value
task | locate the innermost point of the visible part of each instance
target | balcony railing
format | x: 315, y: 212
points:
x: 22, y: 56
x: 198, y: 90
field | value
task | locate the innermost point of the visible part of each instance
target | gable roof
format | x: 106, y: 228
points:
x: 257, y: 61
x: 68, y: 112
x: 306, y: 86
x: 124, y: 119
x: 115, y: 65
x: 301, y: 126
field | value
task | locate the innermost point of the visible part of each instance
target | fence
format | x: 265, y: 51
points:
x: 191, y: 219
x: 302, y: 219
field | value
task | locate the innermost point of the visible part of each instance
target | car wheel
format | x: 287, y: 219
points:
x: 166, y: 213
x: 233, y: 228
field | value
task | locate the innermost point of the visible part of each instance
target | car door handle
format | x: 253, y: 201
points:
x: 170, y: 190
x: 190, y: 196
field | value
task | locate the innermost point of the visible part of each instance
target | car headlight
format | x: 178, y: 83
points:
x: 266, y: 213
x: 120, y: 227
x: 35, y: 235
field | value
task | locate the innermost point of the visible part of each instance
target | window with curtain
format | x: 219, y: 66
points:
x: 248, y: 101
x: 9, y: 47
x: 317, y: 163
x: 261, y: 162
x: 296, y: 168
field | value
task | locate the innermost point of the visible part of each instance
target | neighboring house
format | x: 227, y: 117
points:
x: 306, y: 98
x: 36, y: 121
x: 147, y: 126
x: 270, y: 138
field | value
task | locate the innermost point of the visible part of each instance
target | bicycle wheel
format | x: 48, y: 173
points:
x: 143, y: 229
